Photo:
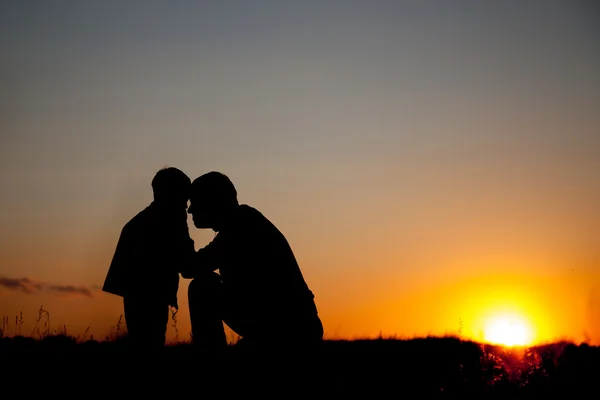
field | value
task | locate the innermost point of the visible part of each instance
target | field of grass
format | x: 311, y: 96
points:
x: 433, y: 366
x: 438, y: 367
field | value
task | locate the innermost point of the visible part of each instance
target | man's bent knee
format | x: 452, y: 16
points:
x: 205, y: 286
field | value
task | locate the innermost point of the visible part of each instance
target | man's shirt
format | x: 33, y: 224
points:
x: 257, y: 265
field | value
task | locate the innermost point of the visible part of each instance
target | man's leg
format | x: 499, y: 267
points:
x: 275, y: 328
x: 306, y: 332
x: 205, y: 297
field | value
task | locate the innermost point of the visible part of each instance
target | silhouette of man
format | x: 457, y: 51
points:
x: 148, y: 258
x: 260, y: 292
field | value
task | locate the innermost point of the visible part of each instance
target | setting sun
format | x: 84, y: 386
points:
x: 508, y: 331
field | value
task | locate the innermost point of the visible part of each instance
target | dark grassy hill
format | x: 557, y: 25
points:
x: 438, y: 367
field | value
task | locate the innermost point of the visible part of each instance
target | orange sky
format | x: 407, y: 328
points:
x: 431, y: 298
x: 427, y: 165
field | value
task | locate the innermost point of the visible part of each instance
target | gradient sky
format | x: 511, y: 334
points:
x: 429, y: 162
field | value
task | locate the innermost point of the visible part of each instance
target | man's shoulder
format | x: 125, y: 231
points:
x: 249, y: 217
x: 249, y: 212
x: 255, y: 221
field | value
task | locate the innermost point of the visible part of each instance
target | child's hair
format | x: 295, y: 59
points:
x: 170, y: 182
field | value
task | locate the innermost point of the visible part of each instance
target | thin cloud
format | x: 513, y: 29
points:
x: 20, y: 285
x: 70, y: 289
x: 28, y: 286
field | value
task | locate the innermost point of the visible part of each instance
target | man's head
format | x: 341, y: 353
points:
x: 213, y: 197
x: 171, y: 187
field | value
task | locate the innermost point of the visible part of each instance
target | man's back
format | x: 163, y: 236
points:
x: 260, y: 265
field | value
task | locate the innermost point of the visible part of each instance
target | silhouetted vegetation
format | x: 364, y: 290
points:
x: 438, y: 366
x: 435, y: 365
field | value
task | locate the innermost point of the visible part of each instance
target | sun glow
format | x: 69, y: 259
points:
x: 508, y: 331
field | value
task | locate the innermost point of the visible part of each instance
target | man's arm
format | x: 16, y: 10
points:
x: 205, y: 260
